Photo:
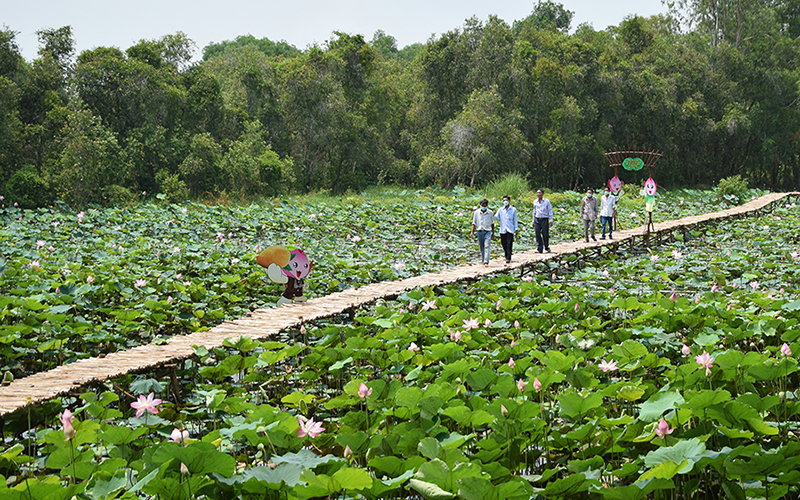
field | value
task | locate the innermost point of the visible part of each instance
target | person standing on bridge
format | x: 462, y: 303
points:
x: 542, y: 219
x: 508, y: 226
x: 608, y: 205
x: 589, y: 214
x: 483, y: 223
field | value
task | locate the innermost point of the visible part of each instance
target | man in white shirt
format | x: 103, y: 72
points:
x: 542, y: 219
x: 608, y: 204
x: 483, y: 223
x: 508, y: 226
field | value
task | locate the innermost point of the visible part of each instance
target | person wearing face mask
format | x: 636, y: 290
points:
x: 483, y: 223
x: 608, y: 204
x: 508, y: 226
x: 588, y: 214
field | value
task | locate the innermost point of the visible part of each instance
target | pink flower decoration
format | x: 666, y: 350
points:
x: 663, y: 429
x: 363, y: 391
x: 608, y: 366
x: 146, y: 404
x: 310, y: 428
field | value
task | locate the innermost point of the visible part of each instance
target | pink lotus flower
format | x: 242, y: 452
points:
x: 705, y: 360
x: 558, y: 337
x: 89, y: 279
x: 503, y: 411
x: 527, y: 278
x: 674, y: 297
x: 512, y: 364
x: 471, y: 323
x: 577, y: 307
x: 348, y: 453
x: 605, y: 273
x: 499, y: 304
x: 401, y: 310
x: 33, y: 263
x: 178, y: 436
x: 429, y: 304
x: 146, y: 404
x: 66, y: 419
x: 363, y: 391
x: 309, y: 428
x: 697, y: 300
x: 786, y: 350
x: 608, y: 366
x: 399, y: 266
x: 521, y: 385
x: 663, y: 429
x: 40, y: 244
x: 411, y: 306
x: 537, y: 386
x: 176, y: 250
x: 553, y: 277
x: 714, y: 288
x: 685, y: 350
x: 169, y: 299
x: 795, y: 255
x: 754, y: 285
x: 303, y: 329
x: 516, y: 324
x: 677, y: 255
x: 654, y: 258
x: 140, y: 283
x: 487, y: 323
x: 455, y: 336
x: 413, y: 347
x: 611, y: 291
x: 735, y: 285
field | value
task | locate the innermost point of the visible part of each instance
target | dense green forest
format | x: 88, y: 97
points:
x: 712, y: 85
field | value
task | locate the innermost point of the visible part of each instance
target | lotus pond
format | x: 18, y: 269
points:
x: 669, y: 374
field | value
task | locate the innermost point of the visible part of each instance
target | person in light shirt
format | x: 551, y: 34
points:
x: 483, y: 223
x: 608, y: 205
x: 588, y: 214
x: 508, y: 226
x: 542, y: 220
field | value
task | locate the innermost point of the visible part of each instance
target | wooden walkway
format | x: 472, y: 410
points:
x: 267, y: 322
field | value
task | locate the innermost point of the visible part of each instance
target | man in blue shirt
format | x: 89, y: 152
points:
x: 542, y: 218
x: 508, y: 226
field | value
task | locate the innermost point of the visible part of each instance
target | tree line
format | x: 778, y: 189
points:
x: 714, y: 86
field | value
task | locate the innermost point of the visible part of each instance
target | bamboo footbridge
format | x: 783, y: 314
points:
x: 264, y: 323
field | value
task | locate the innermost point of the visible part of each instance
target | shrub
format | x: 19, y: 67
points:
x: 173, y: 189
x: 27, y: 188
x: 513, y: 185
x: 733, y: 189
x: 117, y: 195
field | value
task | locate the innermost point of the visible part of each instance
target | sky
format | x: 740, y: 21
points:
x: 302, y: 23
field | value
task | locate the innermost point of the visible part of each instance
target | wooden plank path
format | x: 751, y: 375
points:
x: 264, y: 323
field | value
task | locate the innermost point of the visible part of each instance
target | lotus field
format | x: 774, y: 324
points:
x: 669, y: 373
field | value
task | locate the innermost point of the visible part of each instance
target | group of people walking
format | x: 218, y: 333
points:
x: 483, y: 222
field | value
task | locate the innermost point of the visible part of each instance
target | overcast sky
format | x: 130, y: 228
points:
x: 117, y: 23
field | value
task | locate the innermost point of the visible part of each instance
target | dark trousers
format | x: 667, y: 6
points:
x: 507, y: 240
x: 542, y: 229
